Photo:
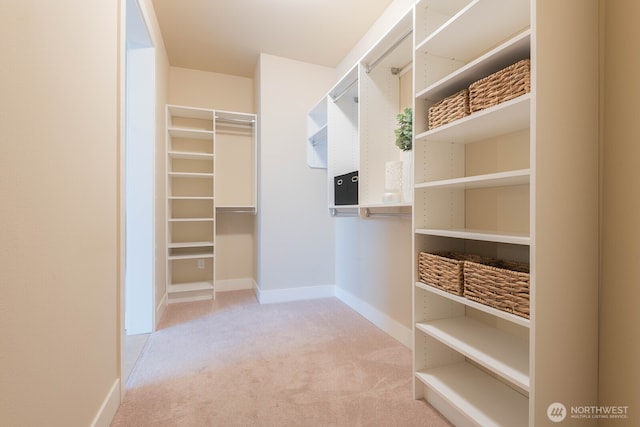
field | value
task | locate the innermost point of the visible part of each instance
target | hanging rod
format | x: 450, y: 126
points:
x: 373, y: 65
x: 225, y: 119
x: 368, y: 214
x: 335, y: 98
x: 334, y: 212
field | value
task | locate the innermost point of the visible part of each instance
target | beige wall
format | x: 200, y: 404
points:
x: 204, y: 89
x: 59, y: 139
x: 620, y: 227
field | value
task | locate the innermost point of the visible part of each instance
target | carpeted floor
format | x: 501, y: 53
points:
x: 234, y: 362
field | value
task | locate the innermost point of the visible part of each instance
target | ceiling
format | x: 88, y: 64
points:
x: 227, y: 36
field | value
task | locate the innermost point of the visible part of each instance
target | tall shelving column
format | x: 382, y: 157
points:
x: 472, y: 191
x: 190, y: 204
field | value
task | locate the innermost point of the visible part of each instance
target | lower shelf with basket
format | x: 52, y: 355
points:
x: 502, y: 285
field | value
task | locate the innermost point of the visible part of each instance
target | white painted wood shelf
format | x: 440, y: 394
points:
x: 517, y: 320
x: 498, y: 179
x: 481, y: 235
x: 500, y: 352
x: 481, y: 399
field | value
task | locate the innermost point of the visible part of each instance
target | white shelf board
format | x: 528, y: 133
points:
x: 190, y: 155
x: 191, y: 197
x: 319, y: 137
x: 190, y: 112
x: 481, y: 307
x: 191, y: 256
x: 190, y: 287
x: 190, y: 175
x: 502, y: 353
x: 176, y: 245
x: 480, y: 397
x: 513, y: 50
x: 510, y: 116
x: 191, y: 133
x: 499, y: 179
x: 191, y: 219
x: 483, y: 235
x: 236, y: 209
x: 467, y: 34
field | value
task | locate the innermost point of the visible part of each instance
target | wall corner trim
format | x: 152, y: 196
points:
x: 109, y: 407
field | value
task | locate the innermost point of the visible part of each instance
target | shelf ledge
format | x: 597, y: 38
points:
x: 477, y: 395
x: 481, y: 307
x: 502, y: 353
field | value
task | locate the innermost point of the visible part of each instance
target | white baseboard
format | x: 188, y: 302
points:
x: 226, y: 285
x: 392, y: 327
x: 162, y: 306
x: 294, y: 294
x: 109, y: 407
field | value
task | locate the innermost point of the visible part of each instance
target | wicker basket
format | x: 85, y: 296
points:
x: 503, y: 285
x: 506, y: 84
x: 451, y: 108
x: 444, y: 270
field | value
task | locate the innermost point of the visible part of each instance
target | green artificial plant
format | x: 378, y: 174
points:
x: 404, y: 131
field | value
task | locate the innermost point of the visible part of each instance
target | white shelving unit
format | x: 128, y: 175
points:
x: 472, y: 361
x: 190, y: 204
x: 211, y: 164
x: 343, y: 150
x: 317, y: 134
x: 486, y: 184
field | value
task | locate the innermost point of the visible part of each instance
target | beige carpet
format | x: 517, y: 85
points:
x: 234, y: 362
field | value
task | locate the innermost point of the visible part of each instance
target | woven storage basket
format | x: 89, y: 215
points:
x: 503, y: 285
x: 444, y: 270
x: 451, y: 108
x: 506, y: 84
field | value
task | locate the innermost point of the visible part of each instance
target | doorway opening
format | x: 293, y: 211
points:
x: 139, y: 188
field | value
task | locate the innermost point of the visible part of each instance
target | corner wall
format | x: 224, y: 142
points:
x: 620, y: 228
x: 295, y: 231
x: 59, y: 304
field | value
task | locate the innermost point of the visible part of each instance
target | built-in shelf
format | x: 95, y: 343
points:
x: 459, y: 37
x: 193, y: 255
x: 190, y: 155
x: 236, y: 209
x: 480, y: 398
x: 482, y: 235
x: 191, y: 198
x: 510, y: 116
x: 500, y: 352
x: 189, y: 244
x: 191, y: 219
x: 191, y: 175
x: 467, y: 302
x: 190, y: 133
x: 190, y: 287
x: 508, y: 53
x: 499, y: 179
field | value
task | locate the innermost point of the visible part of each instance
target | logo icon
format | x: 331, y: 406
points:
x: 557, y: 412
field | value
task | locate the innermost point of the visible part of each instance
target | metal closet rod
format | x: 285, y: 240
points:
x: 391, y: 48
x: 369, y: 214
x: 335, y: 212
x: 225, y: 119
x: 335, y: 98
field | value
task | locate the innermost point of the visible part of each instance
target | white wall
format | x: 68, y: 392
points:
x: 295, y: 231
x: 59, y: 141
